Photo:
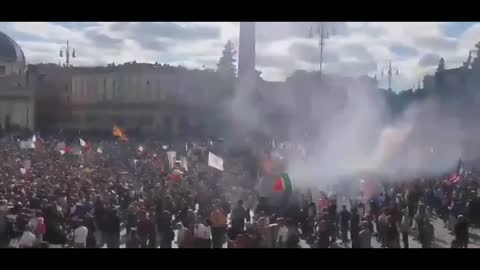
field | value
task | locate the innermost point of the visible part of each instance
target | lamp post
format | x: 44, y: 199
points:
x: 69, y: 52
x: 391, y: 71
x: 322, y: 30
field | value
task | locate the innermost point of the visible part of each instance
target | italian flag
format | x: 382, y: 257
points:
x: 283, y: 184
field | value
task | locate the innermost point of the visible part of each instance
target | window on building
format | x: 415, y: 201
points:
x: 2, y: 70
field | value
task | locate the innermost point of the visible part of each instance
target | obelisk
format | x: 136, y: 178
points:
x: 246, y: 52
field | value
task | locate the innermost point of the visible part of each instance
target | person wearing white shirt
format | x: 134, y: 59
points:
x: 27, y: 240
x: 202, y: 235
x: 282, y: 235
x: 80, y: 236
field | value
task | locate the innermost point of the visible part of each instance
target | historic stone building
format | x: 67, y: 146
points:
x: 16, y: 95
x: 143, y: 97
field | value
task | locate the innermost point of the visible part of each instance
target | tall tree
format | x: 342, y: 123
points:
x: 226, y: 65
x: 441, y: 65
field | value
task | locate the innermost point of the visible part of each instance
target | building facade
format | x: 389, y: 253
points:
x: 146, y: 98
x: 16, y: 95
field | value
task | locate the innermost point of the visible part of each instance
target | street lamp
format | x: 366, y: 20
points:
x: 323, y: 30
x: 67, y: 53
x: 391, y: 71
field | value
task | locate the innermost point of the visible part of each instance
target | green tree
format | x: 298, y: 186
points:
x: 441, y: 65
x: 226, y: 65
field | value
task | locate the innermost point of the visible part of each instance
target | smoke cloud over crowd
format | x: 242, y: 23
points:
x: 357, y: 134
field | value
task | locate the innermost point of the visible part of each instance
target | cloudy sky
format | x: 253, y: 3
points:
x: 354, y: 48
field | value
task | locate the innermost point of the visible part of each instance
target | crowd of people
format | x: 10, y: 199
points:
x: 85, y: 194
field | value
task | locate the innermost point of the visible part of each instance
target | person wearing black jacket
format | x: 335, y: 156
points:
x: 55, y: 235
x: 6, y: 230
x: 90, y: 224
x: 344, y: 221
x: 354, y: 228
x: 461, y: 232
x: 112, y: 229
x: 165, y: 229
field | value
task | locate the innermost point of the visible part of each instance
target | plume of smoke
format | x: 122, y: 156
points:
x: 360, y: 137
x: 357, y: 134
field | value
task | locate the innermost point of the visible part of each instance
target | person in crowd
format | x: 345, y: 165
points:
x: 282, y: 235
x: 55, y: 235
x: 461, y: 232
x: 323, y: 233
x: 132, y: 239
x: 238, y: 217
x: 365, y: 235
x: 344, y: 223
x: 202, y: 234
x: 218, y: 219
x: 184, y: 236
x: 392, y: 235
x: 80, y: 235
x: 90, y: 224
x: 165, y: 230
x: 293, y: 236
x: 405, y: 227
x: 28, y: 239
x: 382, y: 225
x: 112, y: 229
x: 354, y: 227
x: 428, y: 235
x: 144, y: 229
x: 332, y: 218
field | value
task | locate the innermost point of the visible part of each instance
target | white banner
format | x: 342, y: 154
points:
x: 172, y: 157
x: 215, y: 162
x: 27, y: 144
x: 27, y: 164
x: 60, y: 146
x: 184, y: 163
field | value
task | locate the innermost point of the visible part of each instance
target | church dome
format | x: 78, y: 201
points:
x: 10, y: 51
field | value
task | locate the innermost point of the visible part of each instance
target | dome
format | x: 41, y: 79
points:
x: 10, y: 51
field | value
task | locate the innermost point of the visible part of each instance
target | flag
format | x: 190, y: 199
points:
x: 119, y: 133
x: 283, y: 184
x: 27, y: 144
x: 176, y: 175
x: 99, y: 150
x: 172, y: 157
x: 67, y: 150
x: 27, y: 164
x: 458, y: 174
x: 60, y: 146
x: 184, y: 163
x: 215, y: 161
x: 82, y: 143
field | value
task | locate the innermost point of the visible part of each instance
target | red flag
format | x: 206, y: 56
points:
x: 68, y: 149
x: 176, y: 175
x: 279, y: 186
x: 455, y: 178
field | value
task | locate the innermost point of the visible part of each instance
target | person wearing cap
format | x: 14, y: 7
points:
x: 461, y: 232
